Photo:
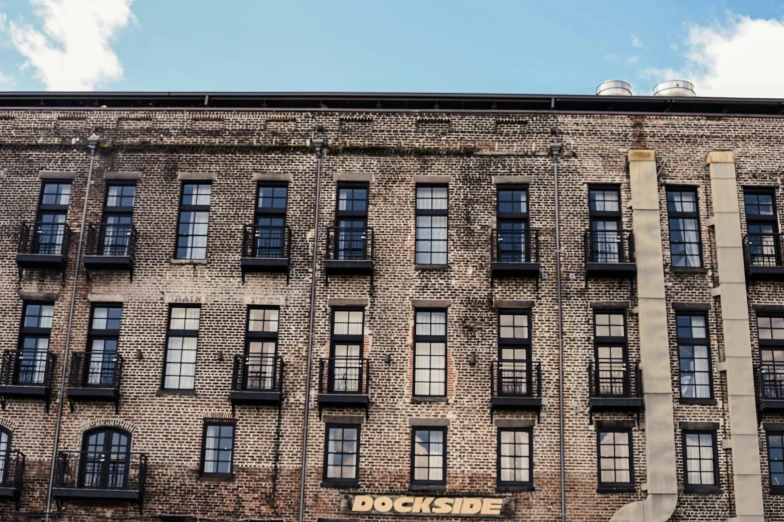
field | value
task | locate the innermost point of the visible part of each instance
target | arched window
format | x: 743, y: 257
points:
x: 5, y: 450
x: 105, y: 458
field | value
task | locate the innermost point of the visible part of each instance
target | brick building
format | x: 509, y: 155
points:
x: 165, y: 356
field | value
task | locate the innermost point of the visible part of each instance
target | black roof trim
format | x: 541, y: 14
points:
x: 381, y: 102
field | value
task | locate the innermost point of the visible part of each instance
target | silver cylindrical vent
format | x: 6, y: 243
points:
x: 614, y: 88
x: 674, y: 88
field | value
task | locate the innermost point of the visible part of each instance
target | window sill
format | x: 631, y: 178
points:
x: 702, y: 490
x: 174, y: 261
x: 164, y: 391
x: 777, y: 490
x: 688, y: 269
x: 431, y: 267
x: 705, y: 402
x: 216, y: 478
x: 340, y: 485
x: 616, y: 489
x: 512, y: 488
x: 425, y: 400
x: 425, y: 487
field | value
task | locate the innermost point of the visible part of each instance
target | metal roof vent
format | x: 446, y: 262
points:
x: 674, y: 88
x: 614, y: 88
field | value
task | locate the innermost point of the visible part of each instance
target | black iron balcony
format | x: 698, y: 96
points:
x: 350, y: 251
x: 95, y: 376
x: 344, y: 382
x: 514, y: 253
x: 110, y: 246
x: 43, y: 246
x: 609, y: 253
x: 265, y: 249
x: 257, y: 379
x: 93, y: 475
x: 12, y: 476
x: 763, y: 257
x: 770, y: 388
x: 515, y: 385
x: 26, y: 374
x: 616, y: 386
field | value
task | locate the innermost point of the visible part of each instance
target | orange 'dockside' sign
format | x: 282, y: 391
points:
x: 428, y: 506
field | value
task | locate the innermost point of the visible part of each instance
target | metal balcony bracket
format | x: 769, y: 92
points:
x: 71, y: 404
x: 60, y: 503
x: 3, y: 401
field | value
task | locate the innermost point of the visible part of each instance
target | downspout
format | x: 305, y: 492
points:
x: 92, y: 142
x: 555, y: 149
x: 319, y: 144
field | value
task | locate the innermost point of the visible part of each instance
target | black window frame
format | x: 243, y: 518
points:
x: 600, y: 248
x: 264, y: 369
x: 351, y: 235
x: 432, y: 213
x: 180, y: 333
x: 515, y: 343
x: 428, y: 483
x: 515, y: 485
x: 331, y: 482
x: 611, y: 342
x: 775, y: 489
x: 50, y: 230
x: 612, y: 487
x: 432, y: 339
x: 220, y: 423
x: 701, y: 488
x: 349, y: 340
x: 5, y: 456
x: 761, y: 220
x: 107, y: 475
x: 33, y: 332
x: 695, y: 341
x: 506, y: 237
x: 273, y: 232
x: 774, y: 389
x: 192, y: 208
x: 101, y: 334
x: 671, y: 215
x: 120, y: 236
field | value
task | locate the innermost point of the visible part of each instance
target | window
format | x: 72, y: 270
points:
x: 615, y: 459
x: 33, y: 356
x: 776, y: 460
x: 605, y: 211
x: 430, y: 353
x: 685, y: 243
x: 610, y: 344
x: 52, y: 213
x: 770, y: 330
x: 694, y: 354
x: 701, y: 464
x: 346, y: 349
x: 271, y: 203
x: 762, y: 226
x: 194, y: 221
x: 514, y: 457
x: 514, y: 242
x: 217, y: 449
x: 514, y: 346
x: 107, y: 459
x: 103, y: 338
x: 261, y: 348
x: 180, y: 366
x: 117, y: 219
x: 341, y: 456
x: 351, y: 221
x: 432, y: 215
x: 5, y: 454
x: 428, y: 457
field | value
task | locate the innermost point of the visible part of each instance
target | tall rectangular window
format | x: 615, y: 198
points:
x: 217, y: 449
x: 701, y: 462
x: 514, y: 346
x: 32, y: 357
x: 341, y: 455
x: 51, y: 219
x: 776, y: 460
x: 347, y: 341
x: 117, y: 218
x: 513, y: 236
x: 604, y: 205
x: 432, y: 215
x: 514, y: 464
x: 194, y: 221
x: 351, y: 221
x: 770, y: 332
x: 261, y: 348
x: 684, y: 219
x: 102, y: 342
x: 610, y: 345
x: 182, y: 337
x: 615, y: 459
x: 428, y: 456
x: 763, y: 227
x: 430, y: 353
x: 694, y: 356
x: 271, y: 205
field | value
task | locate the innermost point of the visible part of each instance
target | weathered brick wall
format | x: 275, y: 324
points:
x: 393, y: 148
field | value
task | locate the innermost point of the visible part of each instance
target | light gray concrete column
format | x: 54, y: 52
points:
x: 654, y: 347
x: 746, y: 475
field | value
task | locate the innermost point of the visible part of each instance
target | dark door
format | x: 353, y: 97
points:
x: 105, y: 459
x: 52, y: 210
x: 351, y: 222
x: 101, y: 363
x: 513, y: 239
x: 514, y: 343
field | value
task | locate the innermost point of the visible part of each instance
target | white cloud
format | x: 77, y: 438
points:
x: 736, y: 59
x: 632, y: 59
x: 71, y: 50
x: 636, y: 42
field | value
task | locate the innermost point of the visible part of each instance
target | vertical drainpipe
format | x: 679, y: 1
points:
x: 555, y: 150
x: 92, y: 142
x: 320, y: 146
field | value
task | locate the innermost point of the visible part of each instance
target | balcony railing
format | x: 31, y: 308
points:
x: 26, y: 374
x: 344, y: 381
x: 265, y: 249
x: 257, y: 379
x: 12, y: 476
x: 609, y: 253
x: 98, y: 475
x: 111, y: 246
x: 763, y: 256
x: 514, y: 253
x: 43, y: 246
x: 95, y: 376
x: 770, y: 387
x: 616, y: 385
x: 350, y: 251
x: 516, y: 385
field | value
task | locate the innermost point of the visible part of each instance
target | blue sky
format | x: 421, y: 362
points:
x: 565, y: 47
